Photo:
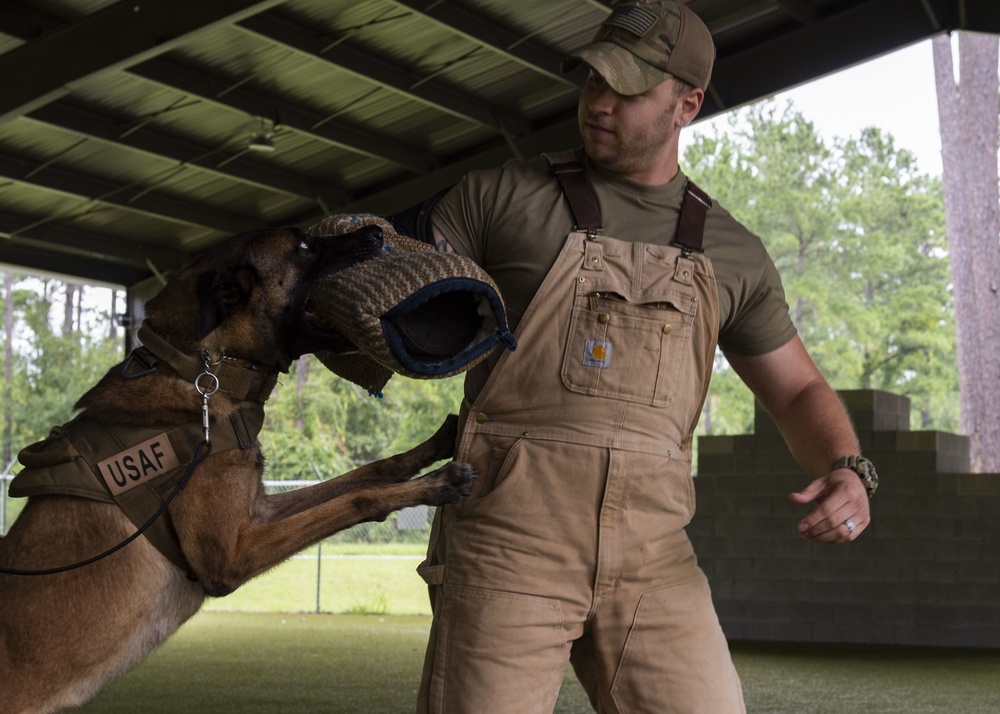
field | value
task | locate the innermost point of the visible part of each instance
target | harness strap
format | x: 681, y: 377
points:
x: 138, y: 468
x: 94, y: 441
x: 241, y: 383
x: 98, y: 444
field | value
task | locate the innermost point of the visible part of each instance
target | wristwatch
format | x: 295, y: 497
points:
x: 864, y: 468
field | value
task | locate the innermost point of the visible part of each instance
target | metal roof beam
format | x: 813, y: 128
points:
x: 129, y: 197
x: 386, y: 74
x: 88, y: 122
x: 976, y: 16
x: 488, y: 31
x: 112, y: 38
x: 53, y: 244
x: 41, y: 260
x: 211, y: 88
x: 563, y: 134
x: 21, y: 22
x: 849, y: 37
x: 803, y: 11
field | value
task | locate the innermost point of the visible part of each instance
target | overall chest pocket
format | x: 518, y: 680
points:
x: 632, y: 349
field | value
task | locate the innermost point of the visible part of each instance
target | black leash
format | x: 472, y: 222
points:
x: 198, y: 457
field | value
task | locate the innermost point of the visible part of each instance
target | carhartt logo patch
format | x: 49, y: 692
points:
x: 127, y: 469
x: 597, y: 354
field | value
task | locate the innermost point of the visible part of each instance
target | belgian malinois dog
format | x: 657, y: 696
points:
x: 168, y: 438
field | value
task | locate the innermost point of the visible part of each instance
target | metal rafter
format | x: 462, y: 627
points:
x: 851, y: 36
x: 384, y: 73
x: 488, y: 32
x: 88, y: 122
x: 114, y: 37
x: 209, y: 87
x: 135, y: 198
x: 765, y: 46
x: 84, y: 253
x: 802, y: 10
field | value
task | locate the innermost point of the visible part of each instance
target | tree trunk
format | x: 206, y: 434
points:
x: 113, y: 322
x: 969, y: 126
x: 8, y: 367
x: 67, y: 329
x: 78, y: 310
x: 301, y: 377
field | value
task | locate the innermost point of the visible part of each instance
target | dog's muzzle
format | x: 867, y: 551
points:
x: 409, y: 310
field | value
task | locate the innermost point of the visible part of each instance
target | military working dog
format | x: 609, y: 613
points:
x: 166, y: 444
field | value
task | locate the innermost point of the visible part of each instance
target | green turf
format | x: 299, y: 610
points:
x: 287, y: 664
x: 352, y: 664
x: 381, y: 584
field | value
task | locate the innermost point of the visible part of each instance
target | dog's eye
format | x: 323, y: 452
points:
x: 305, y: 244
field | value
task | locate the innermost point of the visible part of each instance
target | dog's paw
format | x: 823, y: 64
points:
x: 451, y: 483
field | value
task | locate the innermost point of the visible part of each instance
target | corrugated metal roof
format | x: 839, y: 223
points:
x: 128, y: 130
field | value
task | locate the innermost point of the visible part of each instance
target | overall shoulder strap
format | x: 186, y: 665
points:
x: 569, y: 171
x: 691, y: 227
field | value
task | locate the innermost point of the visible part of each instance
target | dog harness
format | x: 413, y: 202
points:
x: 138, y: 467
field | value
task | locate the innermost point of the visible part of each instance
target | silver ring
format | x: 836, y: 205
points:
x: 850, y: 526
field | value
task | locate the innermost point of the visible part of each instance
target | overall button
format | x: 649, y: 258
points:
x: 481, y: 417
x: 667, y: 329
x: 604, y: 318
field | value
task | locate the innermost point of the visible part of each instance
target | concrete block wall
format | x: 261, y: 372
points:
x: 925, y: 572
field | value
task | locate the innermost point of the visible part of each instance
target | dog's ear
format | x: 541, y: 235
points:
x: 219, y: 294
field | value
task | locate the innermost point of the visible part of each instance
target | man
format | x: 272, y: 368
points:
x: 621, y: 277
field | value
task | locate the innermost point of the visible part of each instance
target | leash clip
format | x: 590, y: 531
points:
x: 212, y: 386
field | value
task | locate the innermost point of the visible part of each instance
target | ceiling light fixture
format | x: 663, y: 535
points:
x: 262, y: 143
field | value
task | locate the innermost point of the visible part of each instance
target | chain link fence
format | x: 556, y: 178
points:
x: 367, y: 569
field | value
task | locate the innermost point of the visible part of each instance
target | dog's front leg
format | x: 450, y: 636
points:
x: 231, y: 531
x: 393, y: 469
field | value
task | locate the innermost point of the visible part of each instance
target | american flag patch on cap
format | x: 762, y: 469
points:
x: 636, y: 20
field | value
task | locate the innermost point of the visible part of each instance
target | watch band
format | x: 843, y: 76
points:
x: 863, y: 467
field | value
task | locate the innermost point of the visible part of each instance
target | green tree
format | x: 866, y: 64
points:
x: 323, y: 425
x: 51, y: 370
x: 857, y: 234
x: 895, y: 241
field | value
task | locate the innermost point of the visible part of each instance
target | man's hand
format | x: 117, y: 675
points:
x: 839, y: 497
x: 817, y: 430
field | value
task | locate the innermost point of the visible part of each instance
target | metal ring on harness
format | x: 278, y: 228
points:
x: 205, y: 392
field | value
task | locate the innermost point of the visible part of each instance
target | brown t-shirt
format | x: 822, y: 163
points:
x: 513, y: 220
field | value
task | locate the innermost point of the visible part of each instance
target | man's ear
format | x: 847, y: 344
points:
x: 688, y: 106
x: 219, y: 294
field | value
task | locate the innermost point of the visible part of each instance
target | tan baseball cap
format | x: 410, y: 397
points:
x: 644, y: 42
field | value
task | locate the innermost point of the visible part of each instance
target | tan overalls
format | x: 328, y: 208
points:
x: 572, y: 544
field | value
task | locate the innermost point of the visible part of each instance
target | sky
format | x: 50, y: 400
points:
x: 894, y: 93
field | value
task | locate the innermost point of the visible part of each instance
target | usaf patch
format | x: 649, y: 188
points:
x: 597, y: 354
x: 139, y: 464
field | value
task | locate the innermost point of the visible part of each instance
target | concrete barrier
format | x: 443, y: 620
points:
x: 925, y: 572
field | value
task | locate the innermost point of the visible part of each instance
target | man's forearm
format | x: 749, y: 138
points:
x: 808, y: 412
x: 817, y: 428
